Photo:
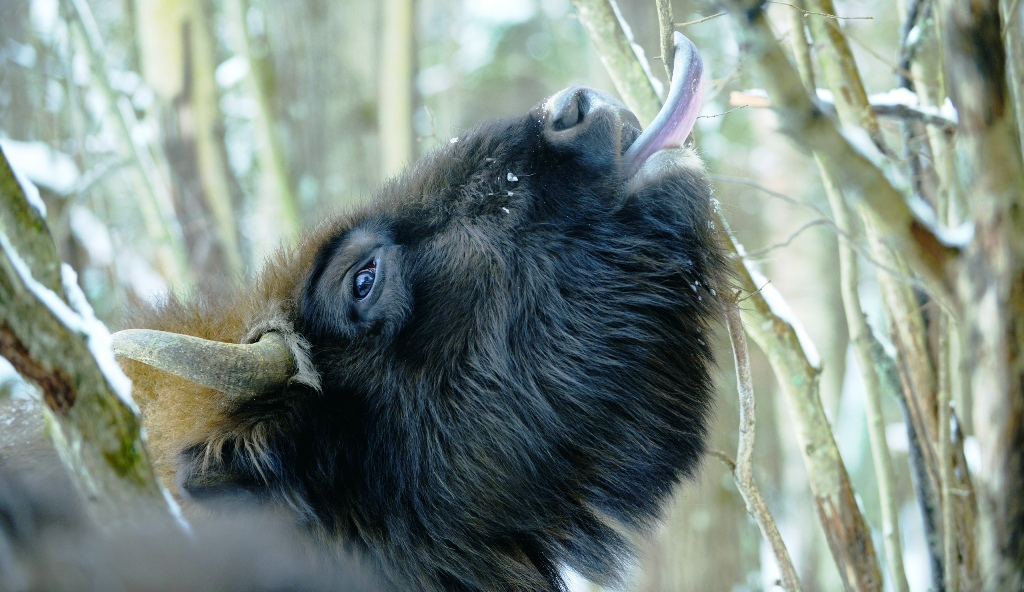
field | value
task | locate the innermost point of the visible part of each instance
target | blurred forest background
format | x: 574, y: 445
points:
x: 177, y: 142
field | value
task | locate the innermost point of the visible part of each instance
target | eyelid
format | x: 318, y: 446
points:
x: 361, y: 255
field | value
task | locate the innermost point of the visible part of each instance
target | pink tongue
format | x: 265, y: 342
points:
x: 675, y: 120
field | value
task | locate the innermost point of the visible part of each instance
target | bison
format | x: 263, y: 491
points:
x: 497, y: 368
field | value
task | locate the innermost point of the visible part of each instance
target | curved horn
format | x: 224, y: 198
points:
x: 241, y: 370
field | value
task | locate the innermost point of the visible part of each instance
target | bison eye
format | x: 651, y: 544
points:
x: 363, y: 282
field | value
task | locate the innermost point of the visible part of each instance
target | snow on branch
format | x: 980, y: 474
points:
x: 50, y: 335
x: 862, y: 181
x: 898, y: 103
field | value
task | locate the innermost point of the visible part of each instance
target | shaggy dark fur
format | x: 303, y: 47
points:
x: 512, y: 348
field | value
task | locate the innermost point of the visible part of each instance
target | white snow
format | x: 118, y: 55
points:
x: 79, y: 319
x: 907, y: 98
x: 954, y: 237
x: 97, y: 338
x: 972, y: 453
x: 894, y: 98
x: 231, y: 71
x: 92, y: 234
x: 42, y: 165
x: 862, y: 142
x: 896, y: 437
x: 27, y: 187
x: 641, y: 55
x: 913, y: 36
x: 175, y: 509
x: 782, y: 310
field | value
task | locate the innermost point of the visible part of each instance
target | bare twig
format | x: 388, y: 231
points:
x: 944, y: 448
x: 839, y: 69
x: 775, y: 329
x: 721, y: 114
x: 789, y: 240
x: 828, y: 15
x: 665, y: 25
x: 926, y: 491
x: 906, y: 48
x: 744, y: 455
x: 869, y: 255
x: 881, y: 58
x: 727, y: 460
x: 698, y: 21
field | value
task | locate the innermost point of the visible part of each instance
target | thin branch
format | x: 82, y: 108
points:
x: 861, y: 340
x: 879, y: 103
x: 944, y: 448
x: 727, y: 460
x: 273, y: 162
x: 156, y: 206
x: 665, y: 25
x: 789, y: 240
x: 721, y: 114
x: 906, y: 48
x: 698, y: 21
x: 743, y: 473
x: 859, y: 177
x: 827, y: 15
x: 776, y: 330
x: 1009, y: 15
x: 870, y: 50
x: 867, y: 254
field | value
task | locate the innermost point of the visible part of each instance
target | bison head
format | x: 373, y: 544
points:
x: 497, y: 367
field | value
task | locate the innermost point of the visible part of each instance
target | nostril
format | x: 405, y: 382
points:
x: 572, y: 110
x: 581, y: 118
